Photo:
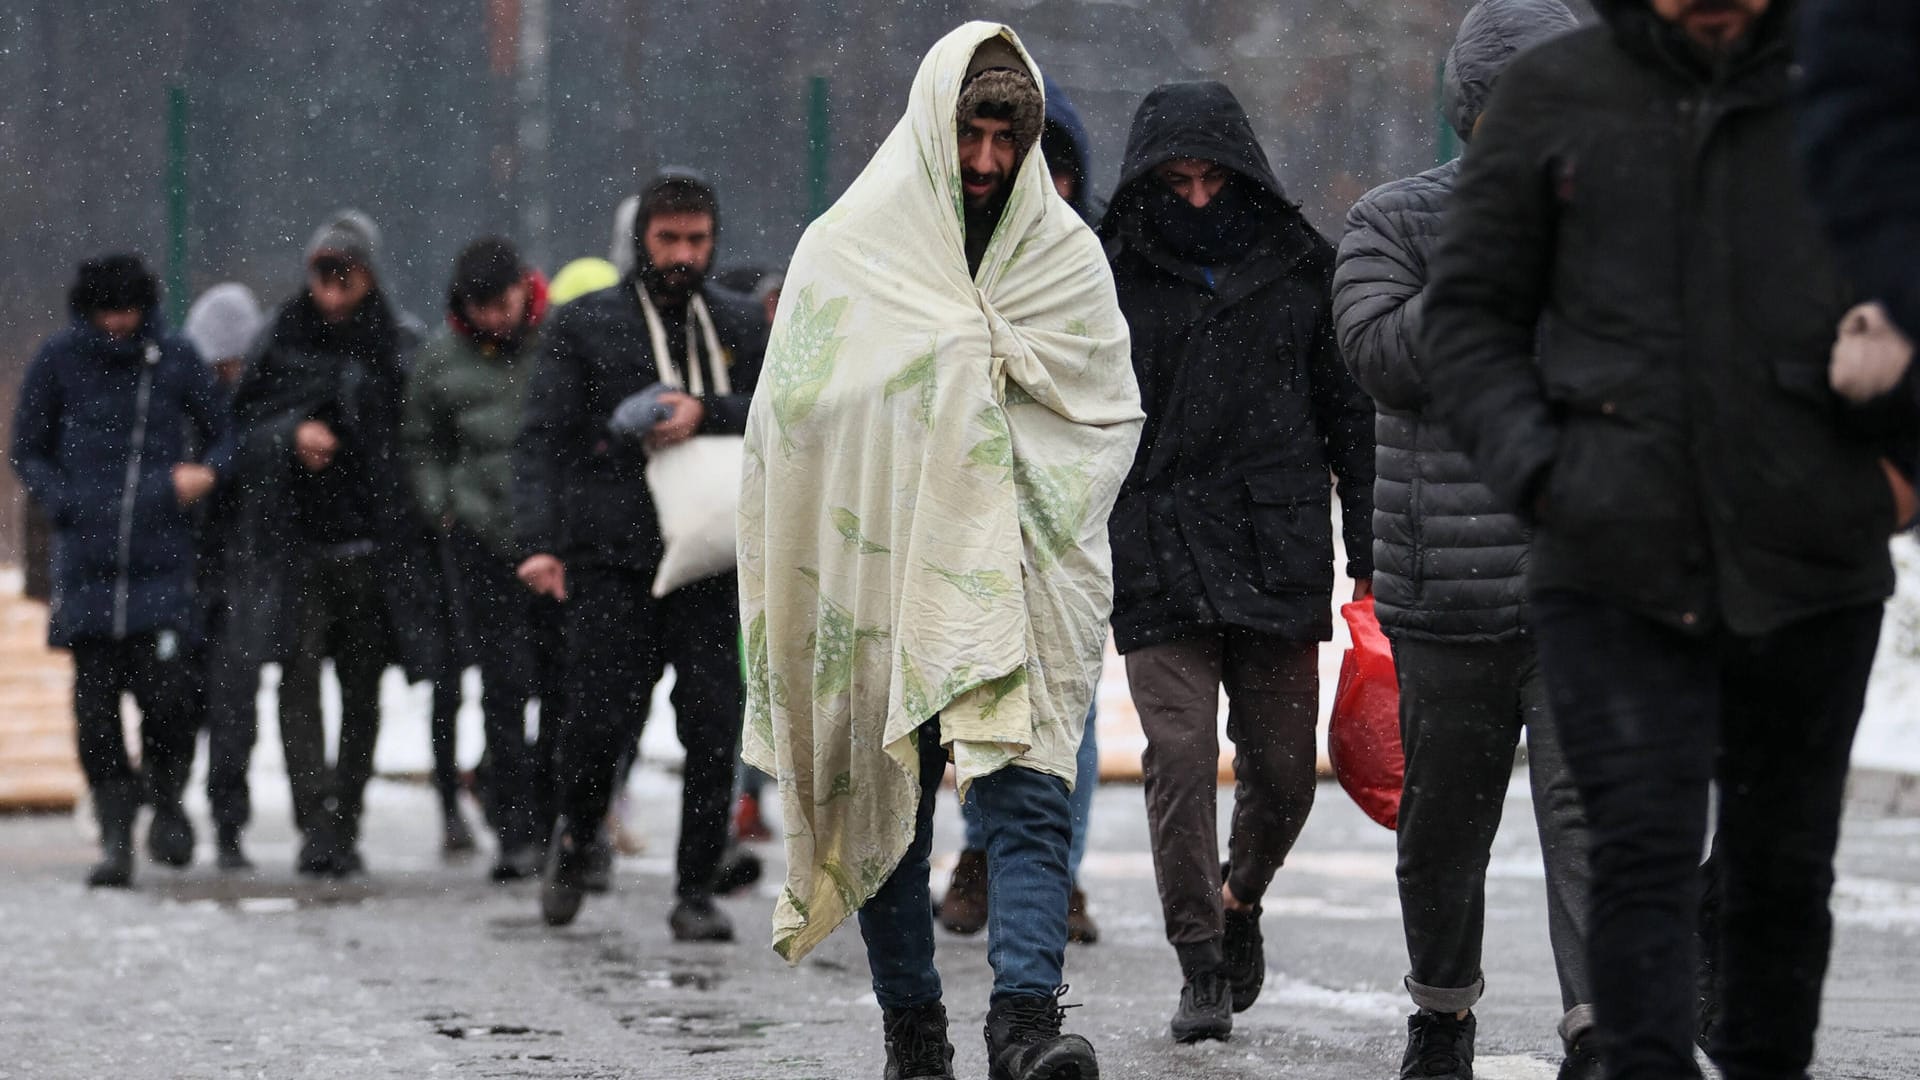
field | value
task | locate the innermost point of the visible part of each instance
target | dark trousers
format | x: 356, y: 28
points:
x: 547, y: 634
x: 229, y: 689
x: 1648, y: 716
x: 497, y: 609
x: 159, y: 675
x: 1273, y: 693
x: 338, y: 615
x: 612, y: 624
x: 1462, y: 709
x: 1029, y: 826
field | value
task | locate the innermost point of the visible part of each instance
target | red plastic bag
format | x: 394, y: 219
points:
x: 1363, y: 739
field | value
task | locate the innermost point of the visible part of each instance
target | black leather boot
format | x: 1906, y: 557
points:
x: 114, y: 807
x: 1024, y: 1042
x: 917, y: 1043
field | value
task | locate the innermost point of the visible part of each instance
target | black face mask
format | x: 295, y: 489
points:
x: 1217, y: 234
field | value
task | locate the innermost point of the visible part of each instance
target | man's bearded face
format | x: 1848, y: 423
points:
x: 988, y: 154
x: 680, y: 248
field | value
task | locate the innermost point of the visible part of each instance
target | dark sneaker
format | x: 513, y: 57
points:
x: 318, y: 849
x: 598, y: 878
x: 739, y: 869
x: 1081, y: 929
x: 563, y: 888
x: 1243, y: 952
x: 698, y: 918
x: 964, y: 909
x: 1206, y: 1008
x: 1582, y: 1062
x: 456, y: 839
x: 113, y: 871
x: 1024, y: 1041
x: 347, y: 862
x: 1439, y: 1047
x: 170, y: 836
x: 917, y: 1043
x: 516, y: 862
x: 229, y: 855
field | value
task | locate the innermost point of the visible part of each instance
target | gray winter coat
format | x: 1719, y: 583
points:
x: 1449, y: 561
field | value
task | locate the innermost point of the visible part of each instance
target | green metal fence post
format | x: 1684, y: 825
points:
x: 817, y: 146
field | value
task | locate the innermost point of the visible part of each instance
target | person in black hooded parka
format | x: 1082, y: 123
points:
x: 318, y: 507
x: 118, y: 431
x: 1628, y: 329
x: 1449, y: 586
x: 1222, y: 536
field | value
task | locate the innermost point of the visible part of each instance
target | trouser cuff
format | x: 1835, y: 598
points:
x: 1199, y: 956
x: 1446, y: 999
x: 1576, y: 1024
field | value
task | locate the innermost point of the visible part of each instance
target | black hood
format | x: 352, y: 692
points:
x: 1204, y: 120
x: 1065, y: 135
x: 1645, y: 34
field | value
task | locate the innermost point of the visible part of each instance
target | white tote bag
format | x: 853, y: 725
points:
x: 696, y: 493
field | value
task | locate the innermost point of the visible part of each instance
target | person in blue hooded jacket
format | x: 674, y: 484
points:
x: 104, y: 438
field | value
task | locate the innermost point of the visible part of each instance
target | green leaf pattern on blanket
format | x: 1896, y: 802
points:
x: 983, y: 587
x: 920, y: 374
x: 803, y: 358
x: 1053, y: 506
x: 998, y: 690
x: 760, y: 680
x: 836, y: 643
x: 847, y: 524
x: 915, y: 698
x: 996, y: 450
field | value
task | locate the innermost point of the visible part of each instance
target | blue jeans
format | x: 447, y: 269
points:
x: 1027, y: 818
x: 1087, y: 777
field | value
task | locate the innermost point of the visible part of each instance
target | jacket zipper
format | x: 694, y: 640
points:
x: 123, y: 585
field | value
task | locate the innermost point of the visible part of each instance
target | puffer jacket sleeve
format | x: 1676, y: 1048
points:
x: 549, y: 429
x: 1377, y: 303
x: 1489, y: 287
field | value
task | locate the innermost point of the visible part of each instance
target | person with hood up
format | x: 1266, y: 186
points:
x: 963, y: 910
x: 318, y: 500
x: 1628, y: 329
x: 1222, y: 538
x: 1449, y: 587
x: 648, y: 363
x: 118, y: 433
x: 222, y: 324
x: 464, y: 401
x: 947, y: 415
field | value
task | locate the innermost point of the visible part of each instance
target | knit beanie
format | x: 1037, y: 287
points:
x: 351, y: 234
x: 482, y: 271
x: 223, y: 322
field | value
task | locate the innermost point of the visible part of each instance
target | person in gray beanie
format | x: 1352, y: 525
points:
x: 222, y: 325
x: 1450, y: 566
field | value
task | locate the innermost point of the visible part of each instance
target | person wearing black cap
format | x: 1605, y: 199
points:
x: 462, y: 411
x: 684, y: 360
x: 315, y: 514
x: 118, y: 431
x: 1222, y: 539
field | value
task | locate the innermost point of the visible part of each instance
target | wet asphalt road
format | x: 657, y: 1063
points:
x: 424, y: 969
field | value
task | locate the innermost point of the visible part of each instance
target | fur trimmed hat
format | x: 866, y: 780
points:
x: 1002, y: 93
